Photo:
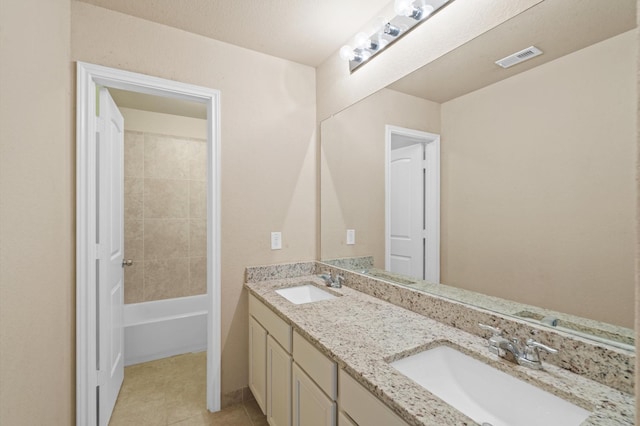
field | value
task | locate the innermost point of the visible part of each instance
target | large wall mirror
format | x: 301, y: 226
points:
x: 536, y: 171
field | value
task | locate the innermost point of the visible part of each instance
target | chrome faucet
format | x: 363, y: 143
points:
x: 509, y: 349
x: 330, y: 280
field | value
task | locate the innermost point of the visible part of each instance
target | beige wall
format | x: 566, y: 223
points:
x: 37, y: 179
x: 37, y: 288
x: 637, y: 170
x: 352, y: 169
x: 268, y: 145
x: 538, y: 185
x: 337, y: 88
x: 137, y: 120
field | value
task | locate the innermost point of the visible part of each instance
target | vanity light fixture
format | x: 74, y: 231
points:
x: 408, y: 8
x: 409, y: 13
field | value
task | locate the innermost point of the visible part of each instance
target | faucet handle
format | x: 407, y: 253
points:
x: 326, y: 277
x: 494, y: 342
x: 533, y: 344
x: 531, y: 357
x: 495, y: 330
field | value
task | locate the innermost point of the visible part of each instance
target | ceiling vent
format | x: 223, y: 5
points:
x: 521, y: 56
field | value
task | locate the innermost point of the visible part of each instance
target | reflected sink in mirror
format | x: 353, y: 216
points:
x: 307, y: 293
x: 485, y: 394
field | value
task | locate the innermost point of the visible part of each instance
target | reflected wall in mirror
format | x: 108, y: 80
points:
x: 352, y: 169
x: 537, y: 162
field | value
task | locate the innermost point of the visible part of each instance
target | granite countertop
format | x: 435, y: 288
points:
x: 363, y: 334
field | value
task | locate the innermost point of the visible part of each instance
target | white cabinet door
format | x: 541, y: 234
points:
x: 311, y: 407
x: 258, y: 362
x: 319, y: 368
x: 344, y: 420
x: 278, y: 384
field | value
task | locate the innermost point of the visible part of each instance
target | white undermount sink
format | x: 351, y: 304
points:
x: 485, y: 394
x: 304, y: 294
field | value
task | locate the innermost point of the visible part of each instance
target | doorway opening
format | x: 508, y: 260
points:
x: 412, y: 203
x: 96, y: 321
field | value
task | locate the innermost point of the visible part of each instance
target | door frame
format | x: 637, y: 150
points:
x: 431, y: 142
x: 90, y: 76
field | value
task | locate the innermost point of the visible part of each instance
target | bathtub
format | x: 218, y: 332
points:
x: 163, y: 328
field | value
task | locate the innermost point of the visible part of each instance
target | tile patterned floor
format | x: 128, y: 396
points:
x: 172, y: 391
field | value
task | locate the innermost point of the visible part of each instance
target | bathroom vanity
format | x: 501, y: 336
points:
x: 328, y: 362
x: 295, y: 382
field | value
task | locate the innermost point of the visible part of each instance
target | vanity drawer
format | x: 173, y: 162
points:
x: 362, y: 406
x: 275, y: 326
x: 321, y: 369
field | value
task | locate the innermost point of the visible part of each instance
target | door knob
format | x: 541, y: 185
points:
x: 127, y: 262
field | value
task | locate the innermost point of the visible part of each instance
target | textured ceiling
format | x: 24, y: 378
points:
x: 303, y: 31
x: 308, y: 31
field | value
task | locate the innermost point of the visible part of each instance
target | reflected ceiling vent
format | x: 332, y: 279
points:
x: 521, y: 56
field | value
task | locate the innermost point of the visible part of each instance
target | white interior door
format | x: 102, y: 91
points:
x: 407, y: 211
x: 87, y: 230
x: 110, y: 290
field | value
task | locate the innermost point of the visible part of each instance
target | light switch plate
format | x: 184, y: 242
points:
x: 276, y: 240
x: 351, y: 236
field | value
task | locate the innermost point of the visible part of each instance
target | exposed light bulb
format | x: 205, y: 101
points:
x: 346, y: 53
x: 427, y: 10
x: 362, y: 41
x: 364, y: 55
x: 378, y: 24
x: 409, y: 9
x: 382, y: 43
x: 403, y: 7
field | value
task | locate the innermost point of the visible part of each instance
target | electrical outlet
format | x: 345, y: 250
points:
x: 351, y: 236
x: 276, y: 240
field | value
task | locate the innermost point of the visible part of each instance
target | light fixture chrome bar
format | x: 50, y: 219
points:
x: 391, y: 30
x: 410, y: 14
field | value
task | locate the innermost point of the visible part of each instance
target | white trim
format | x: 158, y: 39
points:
x: 432, y: 211
x: 432, y: 198
x: 88, y: 76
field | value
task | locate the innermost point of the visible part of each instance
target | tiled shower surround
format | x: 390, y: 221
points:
x: 165, y: 216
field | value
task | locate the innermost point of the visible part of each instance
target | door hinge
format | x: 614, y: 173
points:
x: 424, y: 164
x: 101, y: 377
x: 424, y: 234
x: 97, y: 252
